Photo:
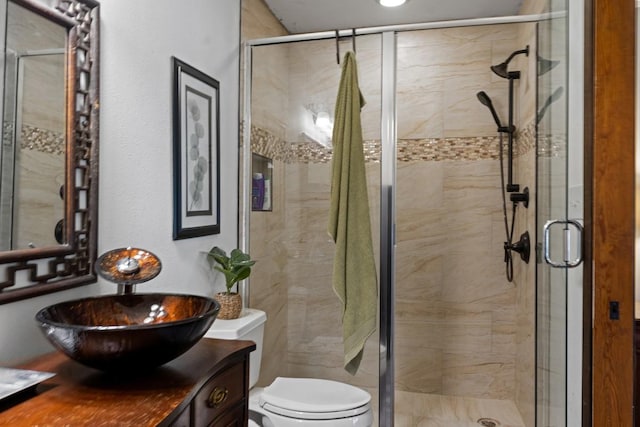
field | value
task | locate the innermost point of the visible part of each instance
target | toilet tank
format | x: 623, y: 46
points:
x: 249, y: 326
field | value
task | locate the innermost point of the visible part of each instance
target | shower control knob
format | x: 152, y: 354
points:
x: 522, y: 246
x: 521, y: 197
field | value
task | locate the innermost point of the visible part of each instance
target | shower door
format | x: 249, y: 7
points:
x: 559, y: 218
x: 288, y: 121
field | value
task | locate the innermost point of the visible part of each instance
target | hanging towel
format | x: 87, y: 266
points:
x: 354, y: 270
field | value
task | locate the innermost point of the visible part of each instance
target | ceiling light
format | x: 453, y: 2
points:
x: 391, y: 3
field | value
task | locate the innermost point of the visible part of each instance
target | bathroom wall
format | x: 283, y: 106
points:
x: 136, y: 195
x: 452, y: 291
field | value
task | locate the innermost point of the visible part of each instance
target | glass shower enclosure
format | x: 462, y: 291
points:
x: 457, y: 339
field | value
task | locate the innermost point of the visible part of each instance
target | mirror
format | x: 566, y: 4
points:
x: 48, y: 146
x: 32, y: 162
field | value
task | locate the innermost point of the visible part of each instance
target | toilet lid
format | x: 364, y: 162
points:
x: 311, y: 398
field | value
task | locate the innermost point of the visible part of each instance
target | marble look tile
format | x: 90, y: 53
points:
x: 440, y: 410
x: 484, y: 375
x: 420, y: 113
x: 315, y: 77
x: 420, y: 184
x: 43, y: 98
x: 423, y: 69
x: 323, y: 358
x: 464, y: 115
x: 270, y: 89
x: 258, y: 21
x: 418, y: 357
x: 534, y: 6
x: 36, y: 196
x: 457, y: 35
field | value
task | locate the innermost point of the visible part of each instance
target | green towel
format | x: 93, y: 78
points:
x: 354, y: 270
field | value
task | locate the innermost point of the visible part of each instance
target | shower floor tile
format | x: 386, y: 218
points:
x: 432, y: 410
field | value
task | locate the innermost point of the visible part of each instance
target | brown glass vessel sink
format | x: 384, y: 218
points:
x: 127, y: 332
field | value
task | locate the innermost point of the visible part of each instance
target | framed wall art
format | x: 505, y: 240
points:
x: 196, y: 150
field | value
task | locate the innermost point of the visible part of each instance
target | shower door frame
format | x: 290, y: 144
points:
x: 386, y: 384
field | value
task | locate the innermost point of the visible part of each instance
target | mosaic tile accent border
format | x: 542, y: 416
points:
x: 409, y: 150
x: 35, y: 138
x: 267, y: 144
x: 451, y: 149
x: 44, y: 140
x: 526, y: 140
x: 552, y: 145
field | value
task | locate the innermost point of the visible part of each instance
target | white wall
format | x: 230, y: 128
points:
x: 138, y: 39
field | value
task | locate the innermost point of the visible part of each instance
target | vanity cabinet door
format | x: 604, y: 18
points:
x: 220, y: 394
x: 233, y: 418
x: 184, y: 420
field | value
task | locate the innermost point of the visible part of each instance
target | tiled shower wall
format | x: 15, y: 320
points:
x: 462, y: 329
x: 270, y: 92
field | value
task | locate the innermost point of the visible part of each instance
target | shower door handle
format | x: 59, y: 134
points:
x: 567, y: 261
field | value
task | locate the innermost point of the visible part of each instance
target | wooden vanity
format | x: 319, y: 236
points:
x: 206, y: 386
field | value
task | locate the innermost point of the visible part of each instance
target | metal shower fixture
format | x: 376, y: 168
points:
x: 523, y: 245
x: 486, y: 101
x: 502, y: 68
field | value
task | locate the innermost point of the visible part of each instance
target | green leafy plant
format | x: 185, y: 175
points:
x: 235, y: 267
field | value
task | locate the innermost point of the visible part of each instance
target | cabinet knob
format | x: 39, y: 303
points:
x: 217, y: 396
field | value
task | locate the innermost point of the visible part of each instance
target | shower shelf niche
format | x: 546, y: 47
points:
x: 261, y: 182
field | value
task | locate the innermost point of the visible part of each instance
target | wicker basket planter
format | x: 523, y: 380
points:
x: 230, y: 305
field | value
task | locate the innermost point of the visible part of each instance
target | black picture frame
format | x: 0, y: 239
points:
x: 196, y: 152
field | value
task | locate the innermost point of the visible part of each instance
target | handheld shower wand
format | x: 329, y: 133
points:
x: 486, y: 101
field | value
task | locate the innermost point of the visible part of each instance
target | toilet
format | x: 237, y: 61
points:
x: 299, y: 402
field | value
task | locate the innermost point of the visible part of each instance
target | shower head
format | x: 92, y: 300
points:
x: 501, y: 69
x: 486, y: 101
x: 546, y: 65
x: 557, y: 94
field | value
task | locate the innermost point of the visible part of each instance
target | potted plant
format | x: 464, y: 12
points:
x: 235, y: 267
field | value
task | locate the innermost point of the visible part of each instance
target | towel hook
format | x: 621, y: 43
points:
x: 353, y: 43
x: 353, y: 39
x: 338, y: 47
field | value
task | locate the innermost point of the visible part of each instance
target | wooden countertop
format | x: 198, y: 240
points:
x: 82, y: 396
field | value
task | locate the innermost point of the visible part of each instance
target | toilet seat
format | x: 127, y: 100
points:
x: 314, y: 399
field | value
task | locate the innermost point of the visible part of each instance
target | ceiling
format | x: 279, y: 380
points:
x: 303, y: 16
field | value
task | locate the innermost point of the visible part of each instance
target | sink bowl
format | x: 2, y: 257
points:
x: 127, y: 332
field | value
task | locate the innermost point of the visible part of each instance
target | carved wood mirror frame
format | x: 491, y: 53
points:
x: 55, y: 268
